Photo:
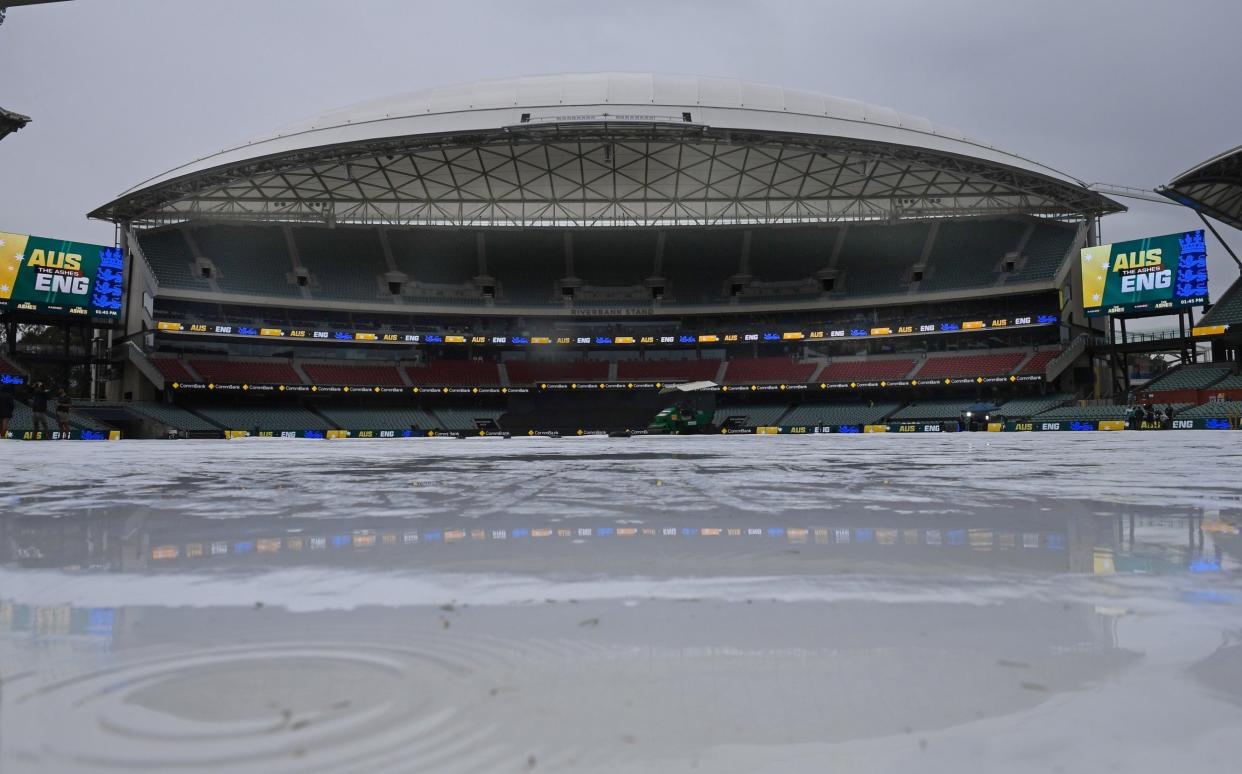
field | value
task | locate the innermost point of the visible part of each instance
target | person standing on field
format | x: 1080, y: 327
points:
x: 7, y: 404
x: 38, y: 408
x: 63, y: 406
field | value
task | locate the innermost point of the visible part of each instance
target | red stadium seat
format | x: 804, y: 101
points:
x: 758, y: 370
x: 668, y: 370
x: 173, y: 369
x: 8, y: 367
x: 523, y: 372
x: 267, y: 372
x: 353, y: 375
x: 454, y: 372
x: 948, y: 366
x: 1039, y: 362
x: 865, y: 370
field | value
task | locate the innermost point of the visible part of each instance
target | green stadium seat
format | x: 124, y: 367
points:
x: 811, y: 414
x: 380, y: 419
x: 256, y: 419
x: 765, y: 415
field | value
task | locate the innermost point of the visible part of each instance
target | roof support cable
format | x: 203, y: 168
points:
x: 1219, y: 238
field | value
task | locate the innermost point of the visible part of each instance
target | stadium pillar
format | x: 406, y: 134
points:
x: 1125, y: 358
x: 1118, y: 363
x: 1190, y: 339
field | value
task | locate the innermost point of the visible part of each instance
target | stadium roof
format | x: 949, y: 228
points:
x: 10, y: 122
x: 1213, y: 188
x: 607, y: 149
x: 1228, y: 308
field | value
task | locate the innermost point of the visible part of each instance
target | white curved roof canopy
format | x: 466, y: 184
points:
x: 607, y: 149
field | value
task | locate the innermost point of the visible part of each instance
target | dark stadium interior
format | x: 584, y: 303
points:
x: 543, y: 266
x: 888, y: 302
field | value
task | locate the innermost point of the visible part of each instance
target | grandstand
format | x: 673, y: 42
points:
x: 758, y: 370
x: 23, y: 420
x: 246, y: 371
x: 744, y: 415
x: 668, y: 370
x: 253, y: 419
x: 246, y: 260
x: 1189, y: 377
x: 466, y: 419
x: 360, y: 375
x: 345, y: 263
x: 8, y: 367
x: 503, y: 235
x: 448, y: 372
x: 945, y: 366
x: 933, y: 410
x: 380, y: 418
x: 524, y: 372
x: 172, y: 416
x: 1219, y: 409
x: 969, y: 253
x: 1088, y: 412
x: 1039, y: 361
x: 1024, y: 408
x: 1231, y: 382
x: 1044, y: 253
x: 865, y: 370
x: 173, y: 369
x: 839, y: 414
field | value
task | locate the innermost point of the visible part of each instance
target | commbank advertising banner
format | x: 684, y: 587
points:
x: 1145, y: 275
x: 38, y: 274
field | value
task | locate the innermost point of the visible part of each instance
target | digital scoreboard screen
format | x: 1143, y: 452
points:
x: 1166, y: 272
x: 53, y: 276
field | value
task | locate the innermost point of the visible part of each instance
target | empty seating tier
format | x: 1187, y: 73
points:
x: 865, y: 370
x: 526, y: 265
x: 668, y: 370
x: 172, y: 369
x: 434, y: 256
x: 967, y: 254
x: 767, y: 370
x: 466, y: 419
x: 875, y: 260
x: 454, y: 372
x: 934, y: 409
x: 524, y: 372
x: 1045, y: 251
x: 245, y: 372
x: 23, y: 420
x: 785, y: 254
x: 1230, y: 382
x: 257, y: 419
x: 380, y: 419
x: 1190, y: 378
x: 353, y: 375
x: 751, y: 416
x: 1217, y: 409
x: 839, y: 414
x: 170, y: 258
x: 948, y: 366
x: 173, y: 416
x: 344, y: 263
x: 698, y: 263
x: 1069, y: 413
x: 1039, y: 361
x: 1022, y: 408
x: 250, y: 259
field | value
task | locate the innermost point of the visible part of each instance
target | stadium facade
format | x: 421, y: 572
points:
x: 552, y: 252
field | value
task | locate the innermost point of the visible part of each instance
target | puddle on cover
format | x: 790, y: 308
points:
x: 742, y: 605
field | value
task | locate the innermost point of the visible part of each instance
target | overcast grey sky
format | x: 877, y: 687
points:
x: 1126, y: 91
